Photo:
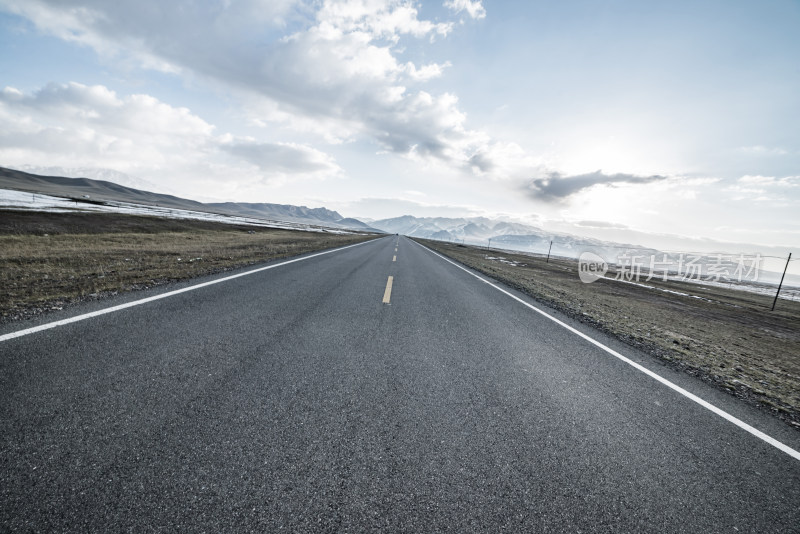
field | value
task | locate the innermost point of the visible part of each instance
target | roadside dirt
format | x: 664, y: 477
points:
x: 52, y: 260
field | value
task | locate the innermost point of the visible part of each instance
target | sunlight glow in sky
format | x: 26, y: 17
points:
x: 678, y: 118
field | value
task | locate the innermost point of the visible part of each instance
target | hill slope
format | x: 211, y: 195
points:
x: 104, y: 191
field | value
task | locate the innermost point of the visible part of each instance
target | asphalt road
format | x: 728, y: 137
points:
x: 297, y: 399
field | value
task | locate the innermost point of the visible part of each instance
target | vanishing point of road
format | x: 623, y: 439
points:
x: 376, y: 387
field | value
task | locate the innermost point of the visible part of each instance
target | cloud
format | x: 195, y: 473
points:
x: 380, y: 19
x: 386, y: 208
x: 756, y: 188
x: 336, y: 69
x: 474, y: 9
x: 601, y: 224
x: 331, y: 68
x: 760, y: 150
x: 500, y: 160
x: 770, y: 181
x: 74, y: 125
x: 557, y: 187
x: 282, y: 157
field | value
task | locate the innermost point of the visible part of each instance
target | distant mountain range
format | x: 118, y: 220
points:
x: 449, y: 229
x: 503, y: 234
x: 287, y: 212
x: 524, y: 238
x: 102, y: 190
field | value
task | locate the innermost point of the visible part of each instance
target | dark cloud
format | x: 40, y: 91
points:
x: 556, y: 187
x: 482, y: 162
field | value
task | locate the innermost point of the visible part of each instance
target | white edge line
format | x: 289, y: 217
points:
x: 691, y: 396
x: 113, y: 309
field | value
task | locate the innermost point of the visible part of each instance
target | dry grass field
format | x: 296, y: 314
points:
x: 727, y: 337
x: 50, y: 260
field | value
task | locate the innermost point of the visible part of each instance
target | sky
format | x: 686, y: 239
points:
x: 622, y: 120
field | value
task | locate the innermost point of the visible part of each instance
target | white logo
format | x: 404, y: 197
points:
x: 591, y: 267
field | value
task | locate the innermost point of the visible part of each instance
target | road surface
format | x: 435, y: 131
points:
x: 316, y: 396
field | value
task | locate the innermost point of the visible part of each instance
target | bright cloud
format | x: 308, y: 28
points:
x: 756, y: 188
x: 72, y: 123
x: 771, y: 181
x: 79, y: 125
x: 760, y: 150
x: 289, y: 158
x: 339, y: 75
x: 380, y: 19
x: 474, y: 9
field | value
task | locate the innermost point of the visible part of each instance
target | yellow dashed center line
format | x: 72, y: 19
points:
x: 394, y: 258
x: 387, y: 295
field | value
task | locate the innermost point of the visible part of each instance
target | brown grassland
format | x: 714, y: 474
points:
x: 729, y: 337
x: 50, y: 260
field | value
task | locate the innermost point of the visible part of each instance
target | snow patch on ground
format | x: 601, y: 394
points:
x: 657, y: 288
x: 787, y: 293
x: 20, y: 200
x: 506, y: 261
